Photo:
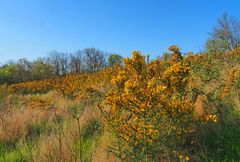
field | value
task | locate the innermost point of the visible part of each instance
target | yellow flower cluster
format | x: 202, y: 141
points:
x: 233, y: 75
x: 184, y: 158
x: 211, y: 118
x: 32, y: 86
x: 68, y: 85
x: 176, y: 75
x: 231, y: 84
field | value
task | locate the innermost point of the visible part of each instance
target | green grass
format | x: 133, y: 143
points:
x: 90, y: 135
x: 222, y: 144
x: 13, y: 153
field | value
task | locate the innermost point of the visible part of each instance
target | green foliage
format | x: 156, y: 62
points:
x: 115, y: 59
x: 7, y: 73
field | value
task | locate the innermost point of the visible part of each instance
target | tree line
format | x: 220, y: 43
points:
x: 57, y: 64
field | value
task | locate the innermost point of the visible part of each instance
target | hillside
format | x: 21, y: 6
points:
x: 174, y: 108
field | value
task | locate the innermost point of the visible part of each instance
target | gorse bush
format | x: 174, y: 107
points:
x: 148, y: 109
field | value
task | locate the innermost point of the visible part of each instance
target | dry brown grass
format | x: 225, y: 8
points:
x: 102, y: 154
x: 53, y: 149
x: 13, y: 125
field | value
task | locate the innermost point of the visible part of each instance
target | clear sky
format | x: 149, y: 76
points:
x: 32, y: 28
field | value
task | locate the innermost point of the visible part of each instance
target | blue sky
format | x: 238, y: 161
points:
x: 32, y: 28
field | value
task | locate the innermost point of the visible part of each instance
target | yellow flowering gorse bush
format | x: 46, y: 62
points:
x: 148, y: 111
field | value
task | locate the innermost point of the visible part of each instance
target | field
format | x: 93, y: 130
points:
x: 174, y: 108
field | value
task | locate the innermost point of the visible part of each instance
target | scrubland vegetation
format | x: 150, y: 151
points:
x: 177, y: 107
x: 174, y: 108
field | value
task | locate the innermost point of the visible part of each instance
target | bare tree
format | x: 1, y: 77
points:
x: 76, y: 62
x: 225, y: 36
x: 64, y: 63
x: 59, y: 62
x: 94, y: 59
